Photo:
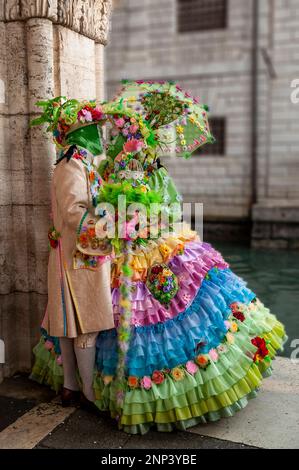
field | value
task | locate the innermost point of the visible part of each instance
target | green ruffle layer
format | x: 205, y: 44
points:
x: 221, y: 389
x: 46, y: 370
x: 182, y: 425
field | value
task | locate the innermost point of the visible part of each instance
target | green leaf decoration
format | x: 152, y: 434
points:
x: 127, y: 270
x: 116, y: 146
x: 37, y: 121
x: 187, y: 155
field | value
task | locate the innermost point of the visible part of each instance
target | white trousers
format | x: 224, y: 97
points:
x: 79, y: 352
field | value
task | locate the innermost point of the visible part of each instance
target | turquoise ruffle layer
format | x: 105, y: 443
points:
x: 198, y: 329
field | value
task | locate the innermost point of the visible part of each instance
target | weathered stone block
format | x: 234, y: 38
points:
x: 6, y: 250
x: 76, y: 72
x: 17, y: 72
x: 285, y: 231
x: 276, y: 211
x: 89, y: 18
x: 13, y: 10
x: 261, y: 230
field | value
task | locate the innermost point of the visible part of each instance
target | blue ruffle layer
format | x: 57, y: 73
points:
x: 174, y: 342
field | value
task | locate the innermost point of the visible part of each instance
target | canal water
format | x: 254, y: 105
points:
x: 274, y: 277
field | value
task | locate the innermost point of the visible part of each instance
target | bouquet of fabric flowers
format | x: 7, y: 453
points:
x: 162, y: 283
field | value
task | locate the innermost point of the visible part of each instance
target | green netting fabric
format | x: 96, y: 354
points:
x: 46, y: 370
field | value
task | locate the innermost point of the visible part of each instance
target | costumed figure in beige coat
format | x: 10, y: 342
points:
x: 79, y: 294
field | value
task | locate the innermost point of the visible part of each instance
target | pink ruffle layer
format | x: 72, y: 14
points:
x: 191, y: 269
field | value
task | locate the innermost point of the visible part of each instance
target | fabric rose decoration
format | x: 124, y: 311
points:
x: 202, y: 360
x: 133, y: 145
x: 177, y: 373
x: 119, y: 122
x: 262, y: 350
x: 213, y: 355
x: 107, y: 379
x: 158, y: 377
x: 236, y: 311
x: 146, y: 383
x: 239, y: 316
x: 233, y: 327
x: 84, y: 115
x: 191, y: 367
x: 133, y: 381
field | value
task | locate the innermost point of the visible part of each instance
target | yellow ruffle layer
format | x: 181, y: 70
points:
x: 159, y: 251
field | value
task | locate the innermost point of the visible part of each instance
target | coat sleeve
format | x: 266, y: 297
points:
x: 71, y: 190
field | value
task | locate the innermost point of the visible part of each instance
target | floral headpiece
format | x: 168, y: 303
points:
x: 65, y: 116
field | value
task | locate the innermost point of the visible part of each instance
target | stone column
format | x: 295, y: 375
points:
x: 46, y: 48
x: 16, y: 247
x: 99, y: 71
x: 6, y: 285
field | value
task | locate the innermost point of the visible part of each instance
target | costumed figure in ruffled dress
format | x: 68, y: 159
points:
x: 190, y: 343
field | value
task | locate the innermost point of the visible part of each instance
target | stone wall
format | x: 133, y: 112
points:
x: 276, y: 215
x: 279, y: 136
x: 47, y: 48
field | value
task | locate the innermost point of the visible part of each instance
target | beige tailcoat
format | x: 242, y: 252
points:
x: 79, y: 300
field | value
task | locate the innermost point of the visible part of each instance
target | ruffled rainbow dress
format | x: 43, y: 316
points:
x: 197, y: 359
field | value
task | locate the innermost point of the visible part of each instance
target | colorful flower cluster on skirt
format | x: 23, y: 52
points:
x: 159, y: 376
x: 162, y: 283
x: 262, y: 352
x: 238, y: 310
x: 176, y: 373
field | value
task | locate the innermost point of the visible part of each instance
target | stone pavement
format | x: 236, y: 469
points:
x: 31, y: 417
